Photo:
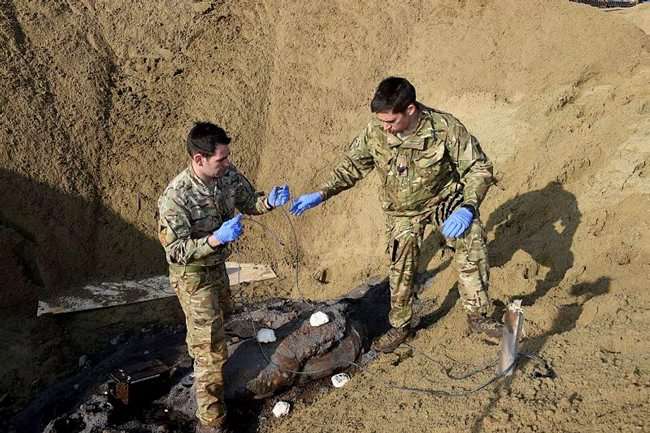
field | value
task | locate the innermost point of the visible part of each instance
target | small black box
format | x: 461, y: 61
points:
x: 139, y: 382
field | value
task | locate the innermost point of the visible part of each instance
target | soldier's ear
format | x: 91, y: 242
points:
x: 198, y: 159
x: 411, y: 109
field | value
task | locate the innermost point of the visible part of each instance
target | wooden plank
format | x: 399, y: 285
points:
x: 247, y: 272
x: 113, y: 293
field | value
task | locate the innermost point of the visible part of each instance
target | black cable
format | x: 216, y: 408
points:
x: 448, y: 370
x: 445, y: 393
x: 465, y: 392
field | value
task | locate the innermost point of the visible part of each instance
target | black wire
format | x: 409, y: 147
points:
x: 268, y: 231
x: 296, y: 258
x: 470, y: 373
x: 464, y: 392
x: 448, y: 370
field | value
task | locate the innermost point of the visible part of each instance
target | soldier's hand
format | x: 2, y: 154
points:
x: 457, y: 223
x: 230, y: 230
x: 306, y: 201
x: 279, y: 196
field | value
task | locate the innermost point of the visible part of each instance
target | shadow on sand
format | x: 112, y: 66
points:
x: 50, y: 240
x: 542, y: 223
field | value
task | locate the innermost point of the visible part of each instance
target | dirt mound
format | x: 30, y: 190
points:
x: 96, y: 98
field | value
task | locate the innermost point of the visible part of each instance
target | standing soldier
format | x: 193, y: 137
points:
x: 197, y: 222
x: 433, y: 172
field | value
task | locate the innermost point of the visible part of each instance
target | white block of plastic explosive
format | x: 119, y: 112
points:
x: 318, y: 318
x: 281, y: 408
x: 266, y: 335
x: 339, y: 380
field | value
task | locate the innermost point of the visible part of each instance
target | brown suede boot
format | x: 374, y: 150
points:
x: 481, y: 323
x: 391, y: 339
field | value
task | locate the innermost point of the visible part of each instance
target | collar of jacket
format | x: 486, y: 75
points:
x: 417, y: 140
x: 201, y: 186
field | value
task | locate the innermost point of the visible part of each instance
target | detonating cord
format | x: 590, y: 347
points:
x: 448, y: 370
x: 466, y: 392
x: 295, y: 259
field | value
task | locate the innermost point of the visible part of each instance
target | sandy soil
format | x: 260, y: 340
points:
x: 96, y: 98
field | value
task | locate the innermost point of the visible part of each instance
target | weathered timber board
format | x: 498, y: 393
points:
x: 110, y: 294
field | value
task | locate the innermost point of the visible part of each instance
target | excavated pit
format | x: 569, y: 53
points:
x: 254, y: 371
x: 96, y: 98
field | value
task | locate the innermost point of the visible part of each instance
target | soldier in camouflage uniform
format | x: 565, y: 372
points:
x: 433, y: 171
x: 196, y: 223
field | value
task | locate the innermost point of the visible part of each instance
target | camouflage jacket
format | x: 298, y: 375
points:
x: 189, y: 211
x: 420, y: 170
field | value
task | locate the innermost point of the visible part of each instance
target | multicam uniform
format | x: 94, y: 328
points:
x: 189, y: 212
x: 425, y: 176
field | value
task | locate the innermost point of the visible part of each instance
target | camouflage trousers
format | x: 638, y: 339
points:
x: 405, y: 235
x: 204, y: 295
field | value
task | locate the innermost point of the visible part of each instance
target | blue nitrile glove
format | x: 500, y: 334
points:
x: 306, y: 201
x: 278, y: 196
x: 229, y: 230
x: 457, y: 223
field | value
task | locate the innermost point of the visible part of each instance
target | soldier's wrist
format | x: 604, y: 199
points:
x: 471, y: 208
x: 323, y: 195
x: 213, y: 242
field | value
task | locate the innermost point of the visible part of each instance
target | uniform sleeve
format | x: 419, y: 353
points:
x: 247, y: 200
x: 356, y: 163
x: 472, y: 165
x: 175, y: 233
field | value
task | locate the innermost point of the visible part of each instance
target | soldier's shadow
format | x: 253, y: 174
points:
x: 542, y: 223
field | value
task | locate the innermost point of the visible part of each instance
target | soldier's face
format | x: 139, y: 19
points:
x: 214, y: 165
x: 397, y: 122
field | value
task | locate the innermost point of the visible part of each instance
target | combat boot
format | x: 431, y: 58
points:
x: 391, y: 339
x: 485, y: 324
x: 202, y: 428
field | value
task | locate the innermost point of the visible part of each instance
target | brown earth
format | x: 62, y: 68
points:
x: 97, y: 96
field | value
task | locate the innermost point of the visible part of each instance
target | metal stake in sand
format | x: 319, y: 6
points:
x: 512, y: 326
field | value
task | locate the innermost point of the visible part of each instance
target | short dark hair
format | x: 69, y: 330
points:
x: 394, y: 94
x: 204, y: 137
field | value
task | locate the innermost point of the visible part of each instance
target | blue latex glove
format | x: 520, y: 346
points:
x: 306, y: 201
x: 457, y: 223
x: 230, y: 230
x: 278, y: 196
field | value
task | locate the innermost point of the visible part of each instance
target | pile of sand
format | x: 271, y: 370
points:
x: 96, y: 98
